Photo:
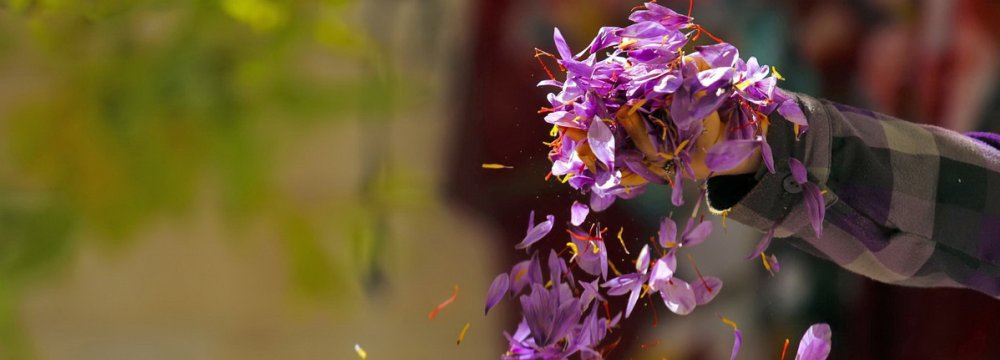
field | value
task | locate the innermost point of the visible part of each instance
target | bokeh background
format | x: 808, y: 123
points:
x: 263, y: 179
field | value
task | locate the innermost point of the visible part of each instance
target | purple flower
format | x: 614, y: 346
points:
x: 592, y: 257
x: 631, y: 283
x: 764, y: 242
x: 578, y: 213
x: 815, y: 344
x: 498, y: 288
x: 550, y: 317
x: 692, y: 235
x: 536, y: 232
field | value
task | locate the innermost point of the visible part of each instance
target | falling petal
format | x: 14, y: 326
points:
x: 737, y: 338
x: 677, y: 191
x: 765, y: 153
x: 633, y: 297
x: 773, y: 264
x: 728, y: 154
x: 600, y: 203
x: 446, y: 302
x: 361, y: 352
x: 602, y: 142
x: 697, y: 234
x: 668, y: 232
x: 662, y: 272
x: 461, y: 334
x: 679, y: 297
x: 706, y: 289
x: 798, y: 170
x: 578, y: 213
x: 764, y: 242
x: 497, y: 290
x: 642, y: 262
x: 815, y: 344
x: 816, y: 207
x: 537, y: 232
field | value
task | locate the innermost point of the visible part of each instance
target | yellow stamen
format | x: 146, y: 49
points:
x: 555, y: 131
x: 497, y: 166
x: 635, y: 107
x: 743, y: 85
x: 566, y: 178
x: 767, y: 265
x: 613, y: 269
x: 620, y: 231
x: 626, y: 42
x: 594, y: 248
x: 680, y: 147
x: 777, y: 75
x: 548, y: 284
x: 461, y: 335
x: 729, y: 322
x: 361, y: 352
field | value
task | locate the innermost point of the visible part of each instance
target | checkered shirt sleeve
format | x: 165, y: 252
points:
x: 906, y: 204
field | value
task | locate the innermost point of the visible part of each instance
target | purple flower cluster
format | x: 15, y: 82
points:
x: 623, y: 120
x: 561, y: 314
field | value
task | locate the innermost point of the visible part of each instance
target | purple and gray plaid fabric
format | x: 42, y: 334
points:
x: 906, y: 204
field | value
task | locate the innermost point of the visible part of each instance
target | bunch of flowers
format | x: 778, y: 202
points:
x: 621, y: 121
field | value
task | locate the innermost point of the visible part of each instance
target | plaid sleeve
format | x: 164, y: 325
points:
x: 906, y: 204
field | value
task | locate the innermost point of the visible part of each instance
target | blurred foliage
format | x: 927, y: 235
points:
x: 118, y: 111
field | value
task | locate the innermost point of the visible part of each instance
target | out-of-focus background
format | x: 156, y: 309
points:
x: 262, y: 179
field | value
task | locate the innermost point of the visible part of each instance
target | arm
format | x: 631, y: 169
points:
x: 906, y: 204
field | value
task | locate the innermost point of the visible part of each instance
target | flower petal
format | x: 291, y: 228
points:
x: 497, y: 290
x: 798, y: 170
x: 706, y: 288
x: 728, y: 154
x: 677, y: 191
x: 679, y: 297
x: 815, y: 344
x: 536, y: 233
x: 578, y: 213
x: 602, y: 142
x: 737, y: 343
x: 765, y: 153
x: 662, y: 272
x: 668, y: 232
x: 763, y: 243
x: 642, y: 262
x: 816, y: 207
x: 790, y: 110
x: 561, y: 45
x: 697, y: 234
x: 600, y: 202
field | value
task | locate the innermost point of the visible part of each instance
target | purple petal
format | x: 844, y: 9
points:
x: 706, y: 288
x: 519, y: 276
x: 679, y: 297
x: 677, y: 191
x: 816, y: 207
x: 697, y: 235
x: 537, y: 232
x: 663, y: 272
x: 668, y: 232
x: 773, y: 263
x: 642, y: 262
x: 602, y: 142
x: 763, y: 243
x: 728, y: 154
x: 737, y: 343
x: 765, y: 153
x: 578, y: 213
x: 561, y: 45
x: 606, y: 37
x: 815, y: 344
x: 599, y: 203
x: 790, y: 111
x: 497, y: 290
x: 556, y: 267
x: 632, y: 299
x: 798, y: 170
